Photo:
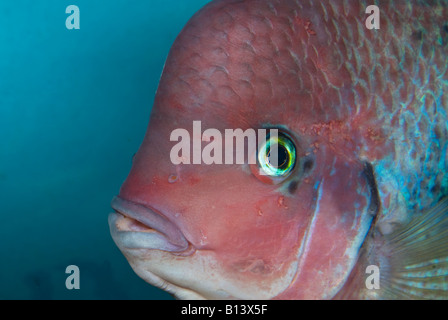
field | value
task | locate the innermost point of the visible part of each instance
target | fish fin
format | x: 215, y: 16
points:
x: 417, y: 257
x: 412, y: 261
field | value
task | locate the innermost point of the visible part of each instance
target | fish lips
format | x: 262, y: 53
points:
x: 136, y: 226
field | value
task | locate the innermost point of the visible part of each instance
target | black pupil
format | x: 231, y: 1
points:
x: 282, y: 157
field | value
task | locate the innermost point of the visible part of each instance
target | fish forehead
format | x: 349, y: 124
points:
x: 263, y: 52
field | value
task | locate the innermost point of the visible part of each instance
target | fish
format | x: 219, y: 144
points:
x: 351, y: 205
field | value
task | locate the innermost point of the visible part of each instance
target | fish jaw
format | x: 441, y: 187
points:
x: 186, y: 272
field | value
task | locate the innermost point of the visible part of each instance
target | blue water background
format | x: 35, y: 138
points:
x: 74, y: 106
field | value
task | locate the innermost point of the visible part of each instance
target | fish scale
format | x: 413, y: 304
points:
x: 424, y: 80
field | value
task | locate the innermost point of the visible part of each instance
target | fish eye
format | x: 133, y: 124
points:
x: 277, y: 156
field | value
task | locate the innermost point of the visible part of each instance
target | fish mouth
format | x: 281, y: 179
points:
x: 136, y: 226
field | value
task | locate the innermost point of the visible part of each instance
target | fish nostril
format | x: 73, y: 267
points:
x: 308, y: 165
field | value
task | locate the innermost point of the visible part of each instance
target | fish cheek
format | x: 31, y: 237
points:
x: 264, y: 248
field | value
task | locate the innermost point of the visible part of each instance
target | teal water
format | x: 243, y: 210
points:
x: 74, y: 106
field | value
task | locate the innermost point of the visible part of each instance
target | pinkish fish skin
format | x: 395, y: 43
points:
x: 345, y: 94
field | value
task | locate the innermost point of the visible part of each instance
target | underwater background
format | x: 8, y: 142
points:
x: 74, y: 107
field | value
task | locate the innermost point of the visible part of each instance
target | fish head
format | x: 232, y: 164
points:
x: 234, y: 231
